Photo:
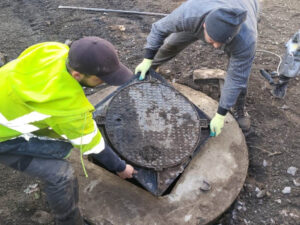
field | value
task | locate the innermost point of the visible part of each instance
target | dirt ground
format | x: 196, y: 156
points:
x: 274, y: 146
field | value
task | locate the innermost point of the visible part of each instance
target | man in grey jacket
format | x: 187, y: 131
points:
x: 228, y: 23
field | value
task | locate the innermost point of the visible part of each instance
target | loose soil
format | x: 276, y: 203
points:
x: 273, y: 146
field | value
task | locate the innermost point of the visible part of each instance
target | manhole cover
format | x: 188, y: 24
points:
x: 152, y: 125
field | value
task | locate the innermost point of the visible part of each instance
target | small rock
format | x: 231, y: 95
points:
x: 297, y: 182
x: 261, y: 194
x: 41, y: 217
x: 241, y: 203
x: 284, y: 212
x: 278, y: 201
x: 292, y: 170
x: 265, y: 163
x: 240, y: 207
x: 31, y: 188
x: 284, y: 107
x: 122, y: 28
x: 48, y: 22
x: 234, y: 214
x: 293, y: 215
x: 247, y: 221
x: 118, y: 27
x: 286, y: 190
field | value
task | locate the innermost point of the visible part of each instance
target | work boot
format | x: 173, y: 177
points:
x: 243, y: 119
x: 241, y: 115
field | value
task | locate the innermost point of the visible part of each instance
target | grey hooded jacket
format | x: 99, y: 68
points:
x: 189, y: 17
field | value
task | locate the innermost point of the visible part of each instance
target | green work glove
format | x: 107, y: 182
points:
x: 216, y: 125
x: 143, y: 67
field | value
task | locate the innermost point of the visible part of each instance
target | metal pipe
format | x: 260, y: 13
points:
x: 113, y: 11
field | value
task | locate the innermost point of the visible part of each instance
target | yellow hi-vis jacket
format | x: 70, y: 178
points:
x: 38, y: 96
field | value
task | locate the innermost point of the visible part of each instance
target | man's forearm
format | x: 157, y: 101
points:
x: 110, y: 160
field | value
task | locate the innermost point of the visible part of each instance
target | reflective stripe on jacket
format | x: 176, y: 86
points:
x: 39, y: 96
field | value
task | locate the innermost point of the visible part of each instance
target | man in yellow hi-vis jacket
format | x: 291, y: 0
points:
x: 44, y: 113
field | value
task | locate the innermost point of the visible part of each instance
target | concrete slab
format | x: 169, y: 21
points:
x: 223, y: 162
x: 204, y: 73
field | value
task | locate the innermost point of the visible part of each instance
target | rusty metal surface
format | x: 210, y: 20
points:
x: 152, y: 125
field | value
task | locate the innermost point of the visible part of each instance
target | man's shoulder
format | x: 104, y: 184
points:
x: 244, y: 42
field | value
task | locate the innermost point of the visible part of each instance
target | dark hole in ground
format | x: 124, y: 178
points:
x: 135, y: 182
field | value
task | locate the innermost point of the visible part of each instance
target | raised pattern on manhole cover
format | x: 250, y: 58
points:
x: 152, y: 125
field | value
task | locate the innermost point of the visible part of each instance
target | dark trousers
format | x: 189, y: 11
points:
x: 173, y: 44
x: 61, y: 186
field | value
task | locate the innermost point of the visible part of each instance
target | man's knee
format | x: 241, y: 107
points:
x: 169, y: 48
x: 63, y: 173
x: 51, y: 171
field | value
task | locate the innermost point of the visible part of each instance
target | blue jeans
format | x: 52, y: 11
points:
x: 61, y: 185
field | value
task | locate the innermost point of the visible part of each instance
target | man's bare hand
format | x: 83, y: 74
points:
x: 128, y: 172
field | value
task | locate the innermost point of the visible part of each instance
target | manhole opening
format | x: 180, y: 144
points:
x: 132, y: 180
x: 136, y: 183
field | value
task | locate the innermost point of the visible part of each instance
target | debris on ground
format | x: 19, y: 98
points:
x: 261, y: 194
x: 278, y: 201
x: 118, y: 28
x: 286, y: 190
x: 32, y: 188
x: 292, y: 170
x: 284, y: 107
x: 297, y: 182
x: 241, y: 206
x: 265, y: 163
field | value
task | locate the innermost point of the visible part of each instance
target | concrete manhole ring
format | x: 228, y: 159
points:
x: 222, y: 162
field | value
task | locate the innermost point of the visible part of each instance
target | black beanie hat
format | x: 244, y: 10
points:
x: 223, y: 24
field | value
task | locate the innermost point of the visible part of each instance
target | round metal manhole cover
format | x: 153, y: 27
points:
x: 152, y: 125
